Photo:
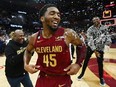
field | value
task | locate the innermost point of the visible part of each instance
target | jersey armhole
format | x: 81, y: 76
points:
x: 35, y: 41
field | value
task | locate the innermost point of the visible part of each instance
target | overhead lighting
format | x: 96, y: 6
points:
x: 22, y: 12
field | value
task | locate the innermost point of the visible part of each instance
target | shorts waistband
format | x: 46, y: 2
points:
x: 49, y: 74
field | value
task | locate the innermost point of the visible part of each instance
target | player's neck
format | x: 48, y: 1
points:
x: 46, y: 34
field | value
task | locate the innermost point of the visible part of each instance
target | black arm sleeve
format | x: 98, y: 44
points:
x: 81, y: 52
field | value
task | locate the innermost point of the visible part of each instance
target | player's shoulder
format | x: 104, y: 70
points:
x: 70, y: 33
x: 33, y: 37
x: 69, y: 30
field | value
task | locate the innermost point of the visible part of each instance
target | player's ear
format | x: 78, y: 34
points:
x: 42, y: 19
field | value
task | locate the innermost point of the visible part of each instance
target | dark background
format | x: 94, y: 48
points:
x: 76, y: 14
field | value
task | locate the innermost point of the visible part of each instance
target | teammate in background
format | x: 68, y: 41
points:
x: 52, y: 46
x: 14, y: 65
x: 97, y: 38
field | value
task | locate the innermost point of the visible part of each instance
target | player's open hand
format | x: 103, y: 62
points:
x: 31, y: 68
x: 72, y: 69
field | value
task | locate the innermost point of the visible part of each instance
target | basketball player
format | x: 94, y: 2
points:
x: 52, y: 46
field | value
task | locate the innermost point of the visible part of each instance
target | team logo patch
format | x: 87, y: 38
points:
x: 59, y: 38
x: 38, y: 37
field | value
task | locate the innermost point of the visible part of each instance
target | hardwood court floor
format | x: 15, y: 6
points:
x: 89, y: 80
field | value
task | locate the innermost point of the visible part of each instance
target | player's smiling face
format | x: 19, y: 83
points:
x: 52, y: 18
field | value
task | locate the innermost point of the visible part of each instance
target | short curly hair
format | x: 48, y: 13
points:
x: 44, y: 9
